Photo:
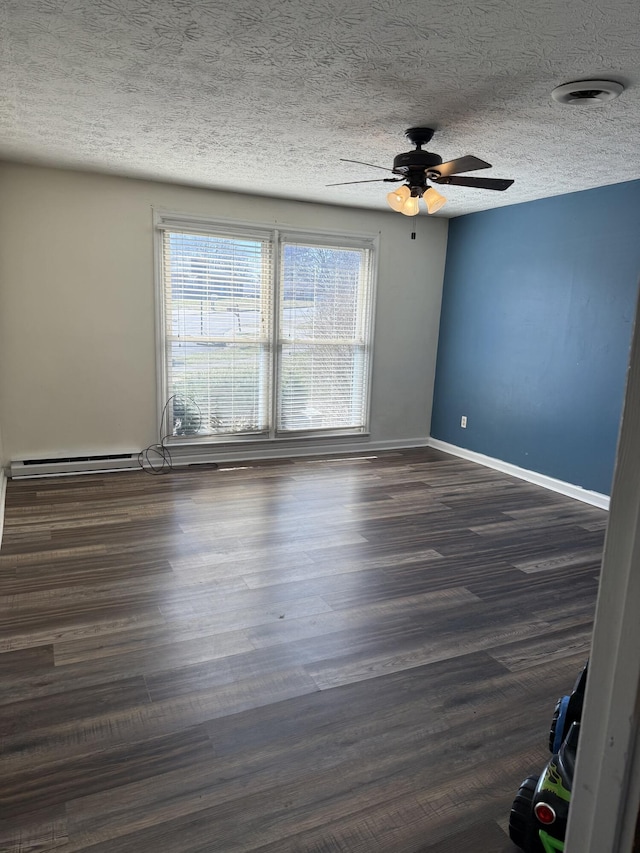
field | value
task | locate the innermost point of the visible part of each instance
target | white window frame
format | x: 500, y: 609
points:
x: 278, y: 234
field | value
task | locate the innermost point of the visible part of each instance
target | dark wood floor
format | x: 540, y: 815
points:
x: 359, y: 655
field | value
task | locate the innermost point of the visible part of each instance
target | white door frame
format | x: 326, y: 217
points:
x: 606, y: 788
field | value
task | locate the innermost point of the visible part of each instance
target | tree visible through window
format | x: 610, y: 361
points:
x: 265, y: 335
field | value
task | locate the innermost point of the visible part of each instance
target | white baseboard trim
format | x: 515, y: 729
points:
x: 3, y: 492
x: 568, y: 489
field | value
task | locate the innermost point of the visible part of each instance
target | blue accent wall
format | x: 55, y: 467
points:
x: 538, y: 305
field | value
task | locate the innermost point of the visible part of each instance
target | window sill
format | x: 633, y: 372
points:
x: 229, y: 442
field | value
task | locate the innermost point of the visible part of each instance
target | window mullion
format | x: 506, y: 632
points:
x: 275, y: 333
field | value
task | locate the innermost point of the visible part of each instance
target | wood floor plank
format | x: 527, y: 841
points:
x: 96, y: 732
x: 350, y: 624
x: 36, y: 832
x: 23, y: 717
x: 172, y: 644
x: 32, y: 660
x: 419, y: 650
x: 128, y: 654
x: 481, y: 836
x: 54, y: 784
x: 555, y: 645
x: 105, y: 620
x: 297, y: 656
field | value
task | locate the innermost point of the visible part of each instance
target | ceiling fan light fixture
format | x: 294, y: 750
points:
x: 433, y: 200
x: 397, y: 198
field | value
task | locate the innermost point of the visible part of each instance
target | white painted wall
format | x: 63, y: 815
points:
x: 77, y: 338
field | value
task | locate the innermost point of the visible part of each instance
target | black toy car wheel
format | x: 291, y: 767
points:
x: 523, y: 829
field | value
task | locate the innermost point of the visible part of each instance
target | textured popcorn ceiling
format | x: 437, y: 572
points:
x: 266, y: 96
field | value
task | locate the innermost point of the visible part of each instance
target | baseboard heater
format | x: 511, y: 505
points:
x: 67, y: 465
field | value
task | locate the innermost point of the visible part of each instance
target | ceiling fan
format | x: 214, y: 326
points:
x: 415, y: 168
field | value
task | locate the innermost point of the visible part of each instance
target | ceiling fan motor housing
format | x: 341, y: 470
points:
x: 413, y: 165
x: 416, y: 160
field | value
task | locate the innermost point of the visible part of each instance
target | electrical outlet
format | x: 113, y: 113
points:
x: 463, y: 422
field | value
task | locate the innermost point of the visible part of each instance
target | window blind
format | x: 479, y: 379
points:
x: 324, y: 321
x: 218, y: 330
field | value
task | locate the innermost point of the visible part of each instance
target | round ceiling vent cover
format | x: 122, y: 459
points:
x: 587, y: 92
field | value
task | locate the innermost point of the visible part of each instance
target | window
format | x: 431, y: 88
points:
x: 265, y: 334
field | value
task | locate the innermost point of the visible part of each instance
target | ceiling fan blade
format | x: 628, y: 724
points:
x: 469, y: 163
x: 373, y: 165
x: 478, y: 183
x: 370, y: 181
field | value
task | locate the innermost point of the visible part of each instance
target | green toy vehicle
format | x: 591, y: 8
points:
x: 538, y: 819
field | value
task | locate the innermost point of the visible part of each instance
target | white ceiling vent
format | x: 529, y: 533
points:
x: 587, y: 92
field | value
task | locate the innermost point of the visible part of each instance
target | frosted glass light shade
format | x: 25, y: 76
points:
x: 397, y: 198
x: 433, y: 200
x: 410, y: 207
